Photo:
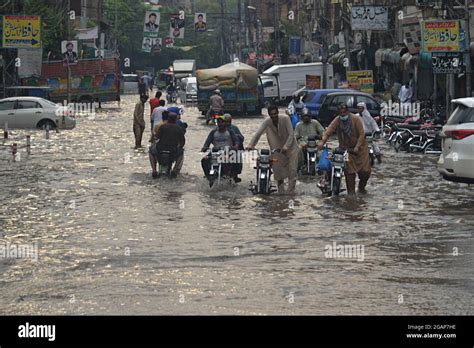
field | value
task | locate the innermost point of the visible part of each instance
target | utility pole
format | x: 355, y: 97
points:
x: 223, y: 60
x: 346, y: 35
x: 467, y: 56
x: 68, y: 18
x: 239, y: 27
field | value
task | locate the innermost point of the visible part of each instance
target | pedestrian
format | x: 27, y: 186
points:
x: 139, y: 121
x: 157, y: 115
x: 155, y: 102
x: 282, y: 140
x: 351, y: 136
x: 405, y: 95
x: 142, y: 88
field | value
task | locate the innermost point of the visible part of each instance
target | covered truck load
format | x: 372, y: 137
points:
x: 238, y: 84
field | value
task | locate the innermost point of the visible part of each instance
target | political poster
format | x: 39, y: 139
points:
x: 157, y: 45
x: 69, y: 50
x: 200, y: 22
x: 151, y: 27
x: 147, y: 44
x: 177, y: 23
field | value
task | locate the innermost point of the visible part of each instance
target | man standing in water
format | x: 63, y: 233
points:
x: 351, y: 136
x: 139, y: 121
x: 281, y: 139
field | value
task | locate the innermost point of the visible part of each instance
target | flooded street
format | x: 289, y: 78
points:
x: 111, y: 240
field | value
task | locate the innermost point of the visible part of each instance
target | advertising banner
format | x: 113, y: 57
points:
x: 22, y: 31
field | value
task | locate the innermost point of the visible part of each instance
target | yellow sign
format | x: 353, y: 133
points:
x: 22, y: 31
x: 441, y: 36
x: 361, y: 80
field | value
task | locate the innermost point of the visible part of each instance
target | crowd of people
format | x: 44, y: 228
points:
x: 287, y: 140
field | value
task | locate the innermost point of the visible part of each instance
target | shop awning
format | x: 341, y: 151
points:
x: 389, y: 55
x: 337, y: 58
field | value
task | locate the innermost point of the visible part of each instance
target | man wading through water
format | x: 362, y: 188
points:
x: 139, y: 121
x: 280, y: 137
x: 351, y: 136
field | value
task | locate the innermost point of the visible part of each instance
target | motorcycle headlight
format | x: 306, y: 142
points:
x: 262, y: 176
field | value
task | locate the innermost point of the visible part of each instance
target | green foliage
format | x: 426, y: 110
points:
x: 204, y: 47
x: 54, y: 24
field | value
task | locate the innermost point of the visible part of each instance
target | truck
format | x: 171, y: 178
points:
x: 183, y: 68
x: 239, y: 85
x: 281, y: 81
x: 91, y: 80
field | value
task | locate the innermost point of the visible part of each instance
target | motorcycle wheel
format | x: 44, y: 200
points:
x: 336, y: 187
x: 263, y: 186
x: 312, y: 171
x: 397, y: 146
x: 372, y: 160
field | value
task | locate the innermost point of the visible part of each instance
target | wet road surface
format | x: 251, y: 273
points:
x: 111, y: 240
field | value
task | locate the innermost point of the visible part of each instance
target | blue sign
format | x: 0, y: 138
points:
x: 295, y: 46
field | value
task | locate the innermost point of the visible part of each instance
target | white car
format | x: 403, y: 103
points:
x: 456, y: 162
x: 130, y: 83
x: 34, y: 112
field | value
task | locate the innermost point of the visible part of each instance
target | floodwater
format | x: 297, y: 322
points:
x: 111, y: 240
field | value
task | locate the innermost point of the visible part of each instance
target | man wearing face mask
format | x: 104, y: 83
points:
x: 351, y: 136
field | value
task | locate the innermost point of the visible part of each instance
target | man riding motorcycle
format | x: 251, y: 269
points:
x: 305, y: 128
x: 216, y: 103
x: 295, y: 109
x: 170, y: 138
x: 221, y: 137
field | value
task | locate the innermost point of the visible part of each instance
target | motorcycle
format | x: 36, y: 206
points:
x: 172, y: 97
x: 220, y: 168
x: 312, y: 154
x: 370, y: 142
x: 332, y: 180
x: 264, y: 172
x: 165, y: 163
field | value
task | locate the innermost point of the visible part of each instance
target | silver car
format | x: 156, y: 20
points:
x: 34, y: 112
x: 456, y: 162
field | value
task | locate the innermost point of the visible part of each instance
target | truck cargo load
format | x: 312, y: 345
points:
x: 238, y: 83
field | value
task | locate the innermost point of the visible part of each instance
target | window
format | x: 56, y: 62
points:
x: 130, y: 78
x: 308, y: 97
x: 371, y: 104
x: 7, y: 105
x: 28, y: 104
x: 343, y: 99
x: 461, y: 115
x: 268, y: 84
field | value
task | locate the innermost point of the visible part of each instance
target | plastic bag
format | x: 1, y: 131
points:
x: 294, y: 120
x: 324, y: 164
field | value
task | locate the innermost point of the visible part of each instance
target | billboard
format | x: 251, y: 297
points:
x: 369, y: 18
x: 21, y: 32
x: 441, y: 36
x: 361, y: 80
x: 448, y: 63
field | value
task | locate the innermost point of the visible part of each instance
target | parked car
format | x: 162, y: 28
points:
x: 34, y: 112
x: 130, y: 83
x: 314, y: 97
x: 456, y: 162
x: 330, y: 104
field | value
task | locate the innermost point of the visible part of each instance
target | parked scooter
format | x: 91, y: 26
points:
x: 263, y: 183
